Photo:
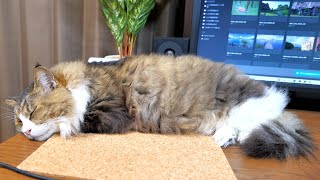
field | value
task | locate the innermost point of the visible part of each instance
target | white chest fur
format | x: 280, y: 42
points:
x: 81, y: 96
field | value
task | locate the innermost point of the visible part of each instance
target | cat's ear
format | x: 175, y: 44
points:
x: 44, y: 79
x: 11, y: 101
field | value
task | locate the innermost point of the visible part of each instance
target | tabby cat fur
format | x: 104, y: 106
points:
x: 161, y: 94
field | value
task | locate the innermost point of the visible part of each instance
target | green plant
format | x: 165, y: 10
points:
x: 125, y: 19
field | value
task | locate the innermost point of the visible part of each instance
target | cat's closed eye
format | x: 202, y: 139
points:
x: 32, y: 112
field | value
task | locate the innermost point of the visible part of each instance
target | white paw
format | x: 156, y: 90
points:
x: 242, y: 136
x: 65, y: 130
x: 225, y: 136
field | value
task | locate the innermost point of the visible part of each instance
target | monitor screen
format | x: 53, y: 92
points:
x: 274, y: 41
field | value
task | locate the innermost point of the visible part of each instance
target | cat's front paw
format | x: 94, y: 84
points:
x: 242, y: 137
x: 225, y: 136
x: 65, y: 130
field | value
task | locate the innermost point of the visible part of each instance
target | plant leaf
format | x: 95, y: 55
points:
x: 122, y: 4
x: 139, y: 11
x: 115, y: 17
x: 130, y: 4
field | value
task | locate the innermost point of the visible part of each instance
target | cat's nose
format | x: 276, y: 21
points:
x: 27, y: 132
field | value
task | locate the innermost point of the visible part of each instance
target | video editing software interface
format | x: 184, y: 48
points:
x: 269, y: 40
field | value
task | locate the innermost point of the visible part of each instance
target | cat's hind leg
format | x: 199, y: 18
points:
x: 249, y: 115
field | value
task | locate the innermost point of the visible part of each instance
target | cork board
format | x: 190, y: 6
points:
x: 130, y: 156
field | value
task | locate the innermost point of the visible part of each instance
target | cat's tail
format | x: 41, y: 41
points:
x: 283, y: 137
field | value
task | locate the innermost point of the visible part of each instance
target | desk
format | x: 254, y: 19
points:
x: 18, y: 148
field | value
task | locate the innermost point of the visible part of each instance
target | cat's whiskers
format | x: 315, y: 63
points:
x: 8, y: 112
x: 5, y: 108
x: 3, y: 115
x: 7, y: 115
x: 8, y: 118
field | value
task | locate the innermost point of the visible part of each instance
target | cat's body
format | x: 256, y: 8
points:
x: 162, y: 94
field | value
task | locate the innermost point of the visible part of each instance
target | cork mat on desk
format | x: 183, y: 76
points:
x: 130, y: 156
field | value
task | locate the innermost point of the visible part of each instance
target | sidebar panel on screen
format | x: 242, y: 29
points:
x: 213, y: 31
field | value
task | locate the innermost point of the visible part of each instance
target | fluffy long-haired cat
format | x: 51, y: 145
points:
x: 161, y: 94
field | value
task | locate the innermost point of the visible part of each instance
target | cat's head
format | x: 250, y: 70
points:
x: 40, y: 109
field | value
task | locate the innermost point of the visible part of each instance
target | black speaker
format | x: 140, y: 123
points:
x: 170, y: 46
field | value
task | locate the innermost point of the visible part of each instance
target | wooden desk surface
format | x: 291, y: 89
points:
x: 18, y: 148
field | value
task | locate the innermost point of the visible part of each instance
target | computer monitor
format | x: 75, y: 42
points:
x: 273, y: 41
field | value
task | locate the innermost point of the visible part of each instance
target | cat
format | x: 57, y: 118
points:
x: 161, y: 94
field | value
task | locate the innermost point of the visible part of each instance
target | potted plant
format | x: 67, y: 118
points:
x: 125, y: 19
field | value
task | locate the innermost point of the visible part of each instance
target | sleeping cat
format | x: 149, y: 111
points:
x: 161, y: 94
